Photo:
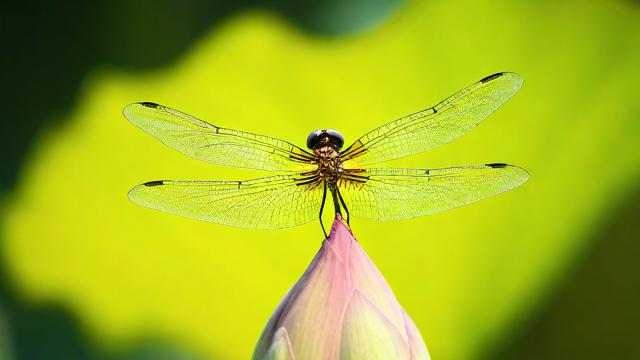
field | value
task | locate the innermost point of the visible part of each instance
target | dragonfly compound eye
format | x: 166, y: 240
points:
x: 313, y: 139
x: 333, y: 138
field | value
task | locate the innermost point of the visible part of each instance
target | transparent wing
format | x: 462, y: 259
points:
x: 427, y: 129
x: 266, y: 203
x: 392, y: 194
x: 203, y: 141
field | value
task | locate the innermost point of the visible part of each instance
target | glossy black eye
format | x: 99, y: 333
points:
x: 334, y: 138
x: 313, y: 139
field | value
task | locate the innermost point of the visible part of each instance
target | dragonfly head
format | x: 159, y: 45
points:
x: 320, y: 138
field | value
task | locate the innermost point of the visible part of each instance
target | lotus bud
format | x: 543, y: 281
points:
x: 341, y: 308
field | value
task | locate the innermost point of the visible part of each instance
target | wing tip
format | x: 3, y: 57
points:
x: 491, y: 77
x: 515, y: 78
x: 136, y: 194
x: 153, y: 183
x: 147, y: 184
x: 498, y: 75
x: 497, y: 165
x: 133, y: 193
x: 129, y: 109
x: 523, y: 175
x: 149, y: 104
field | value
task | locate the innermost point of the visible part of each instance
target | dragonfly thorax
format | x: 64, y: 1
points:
x: 326, y: 152
x: 329, y: 164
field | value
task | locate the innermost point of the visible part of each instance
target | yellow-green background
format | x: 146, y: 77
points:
x: 547, y: 270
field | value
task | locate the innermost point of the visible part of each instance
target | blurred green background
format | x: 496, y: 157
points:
x: 546, y: 271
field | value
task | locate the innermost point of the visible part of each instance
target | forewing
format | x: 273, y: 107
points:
x: 430, y: 128
x: 266, y: 203
x: 203, y: 141
x: 393, y: 194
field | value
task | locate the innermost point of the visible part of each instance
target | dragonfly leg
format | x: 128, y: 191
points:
x: 336, y: 203
x: 344, y: 206
x: 324, y: 197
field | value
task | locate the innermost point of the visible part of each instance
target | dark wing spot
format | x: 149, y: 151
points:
x: 149, y: 104
x: 426, y: 172
x: 154, y: 183
x: 491, y: 77
x: 497, y: 165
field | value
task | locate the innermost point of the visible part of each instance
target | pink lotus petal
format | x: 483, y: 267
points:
x: 368, y: 334
x: 341, y: 308
x: 280, y: 348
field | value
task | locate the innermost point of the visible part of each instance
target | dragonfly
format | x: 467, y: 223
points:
x: 302, y: 179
